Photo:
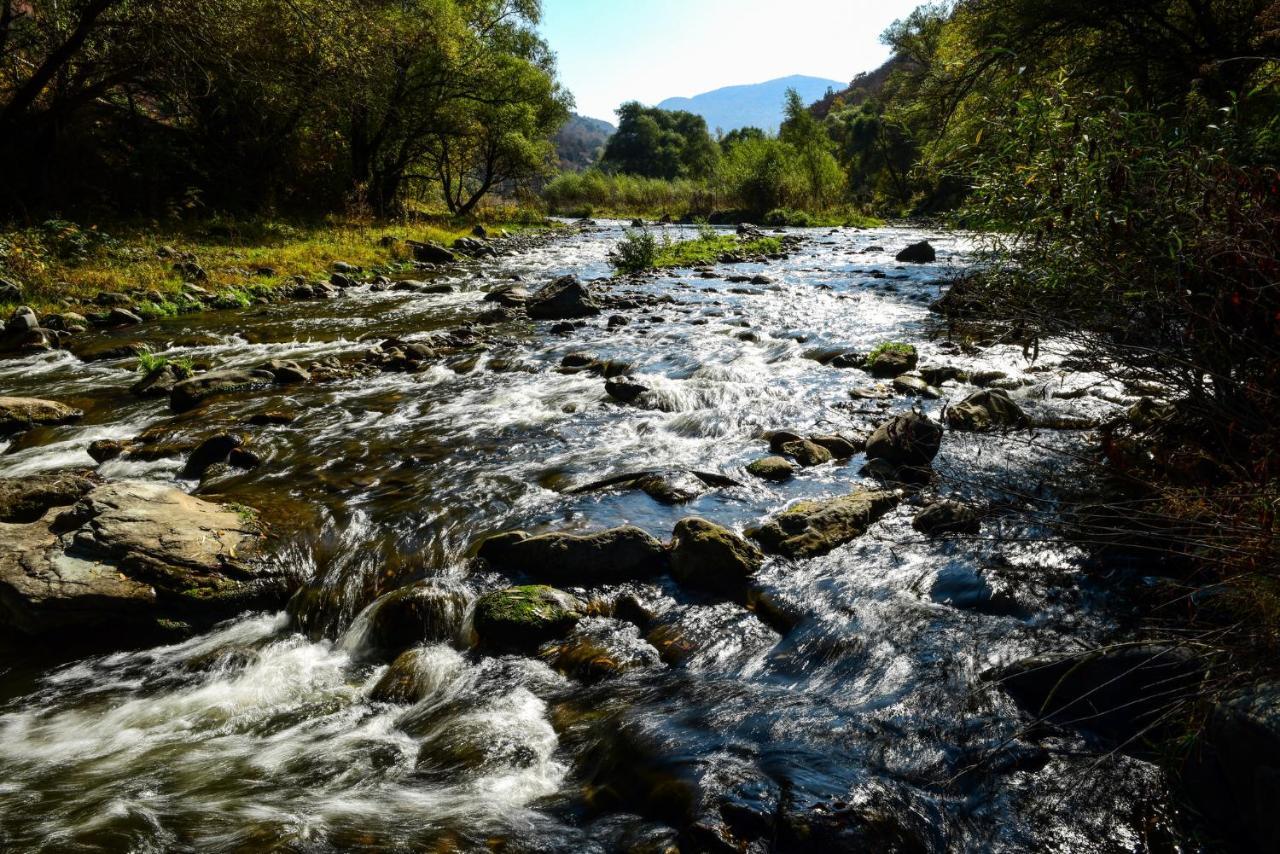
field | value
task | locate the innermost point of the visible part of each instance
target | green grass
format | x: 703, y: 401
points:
x: 62, y: 260
x: 890, y: 347
x: 640, y: 250
x: 148, y: 362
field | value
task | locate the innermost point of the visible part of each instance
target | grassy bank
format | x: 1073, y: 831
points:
x: 59, y: 263
x: 642, y: 250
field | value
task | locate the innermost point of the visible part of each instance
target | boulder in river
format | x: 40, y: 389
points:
x: 805, y: 452
x: 624, y: 389
x: 520, y: 619
x: 128, y: 560
x: 431, y: 253
x: 605, y: 557
x: 159, y: 381
x: 423, y: 612
x: 216, y: 449
x: 564, y: 299
x: 841, y: 448
x: 508, y: 296
x: 772, y: 468
x: 918, y: 253
x: 910, y: 439
x: 812, y: 528
x: 22, y: 413
x: 986, y: 410
x: 946, y: 517
x: 711, y: 557
x: 1119, y: 691
x: 190, y: 393
x: 891, y: 360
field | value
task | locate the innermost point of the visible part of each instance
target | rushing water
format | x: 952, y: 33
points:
x: 867, y: 716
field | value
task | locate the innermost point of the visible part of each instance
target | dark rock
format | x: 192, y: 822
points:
x: 190, y: 393
x: 600, y: 648
x: 848, y: 360
x: 562, y: 328
x: 772, y: 468
x: 986, y: 410
x: 616, y: 321
x: 915, y: 386
x: 508, y: 296
x: 711, y: 557
x: 243, y: 459
x: 1118, y: 691
x: 9, y: 292
x: 565, y: 298
x: 22, y: 320
x: 481, y: 232
x: 906, y: 440
x: 520, y: 619
x: 918, y: 253
x: 106, y: 299
x: 431, y: 253
x: 103, y: 450
x: 423, y: 612
x: 812, y: 528
x: 946, y: 517
x: 22, y: 413
x: 271, y: 417
x: 840, y: 447
x: 158, y: 382
x: 624, y: 389
x: 605, y: 557
x: 26, y: 499
x: 936, y: 375
x: 806, y: 453
x: 213, y: 450
x: 286, y: 372
x: 1232, y: 772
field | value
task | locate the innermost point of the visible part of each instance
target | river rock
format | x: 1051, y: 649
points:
x: 25, y: 499
x: 127, y: 559
x: 709, y: 556
x: 122, y: 317
x: 605, y: 557
x: 431, y: 253
x: 918, y: 253
x: 564, y: 299
x: 772, y: 468
x: 22, y: 413
x: 624, y: 389
x: 840, y: 447
x: 915, y: 386
x: 414, y: 675
x: 22, y: 320
x: 1118, y: 691
x: 910, y: 439
x: 520, y: 619
x: 600, y: 648
x: 104, y: 450
x: 986, y: 410
x: 806, y: 453
x: 286, y: 372
x: 892, y: 361
x: 946, y: 517
x: 190, y: 393
x: 423, y: 612
x: 159, y: 381
x: 215, y: 449
x: 508, y: 296
x: 1232, y: 772
x: 812, y: 528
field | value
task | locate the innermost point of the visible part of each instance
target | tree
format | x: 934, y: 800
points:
x: 658, y: 143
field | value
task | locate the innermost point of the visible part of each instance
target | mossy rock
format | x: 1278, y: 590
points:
x: 772, y: 468
x: 709, y: 556
x: 520, y: 619
x: 892, y: 359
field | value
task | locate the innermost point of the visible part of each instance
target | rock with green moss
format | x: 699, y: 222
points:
x: 709, y: 556
x: 192, y: 392
x: 772, y: 468
x: 891, y: 359
x: 605, y: 557
x: 812, y: 528
x: 22, y: 413
x: 520, y: 619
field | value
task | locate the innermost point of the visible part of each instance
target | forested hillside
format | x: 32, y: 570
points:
x: 581, y: 141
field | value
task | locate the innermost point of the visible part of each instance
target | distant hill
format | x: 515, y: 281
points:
x: 579, y: 142
x: 755, y: 105
x: 866, y: 85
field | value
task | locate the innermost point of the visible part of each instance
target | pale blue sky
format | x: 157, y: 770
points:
x: 611, y: 51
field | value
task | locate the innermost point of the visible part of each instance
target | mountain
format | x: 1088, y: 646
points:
x: 579, y: 142
x: 756, y: 105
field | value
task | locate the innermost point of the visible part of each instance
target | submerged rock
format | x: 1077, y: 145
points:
x: 22, y: 413
x: 946, y: 517
x: 606, y: 557
x: 986, y: 410
x: 709, y: 556
x: 812, y: 528
x: 624, y: 389
x: 520, y: 619
x: 600, y: 648
x: 127, y: 558
x: 192, y: 392
x: 564, y: 299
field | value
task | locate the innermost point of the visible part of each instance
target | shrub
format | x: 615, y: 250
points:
x: 638, y: 250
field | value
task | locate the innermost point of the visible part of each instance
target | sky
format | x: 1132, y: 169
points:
x: 611, y: 51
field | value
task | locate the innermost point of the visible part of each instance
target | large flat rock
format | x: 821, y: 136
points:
x: 812, y: 528
x: 23, y: 413
x: 136, y: 557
